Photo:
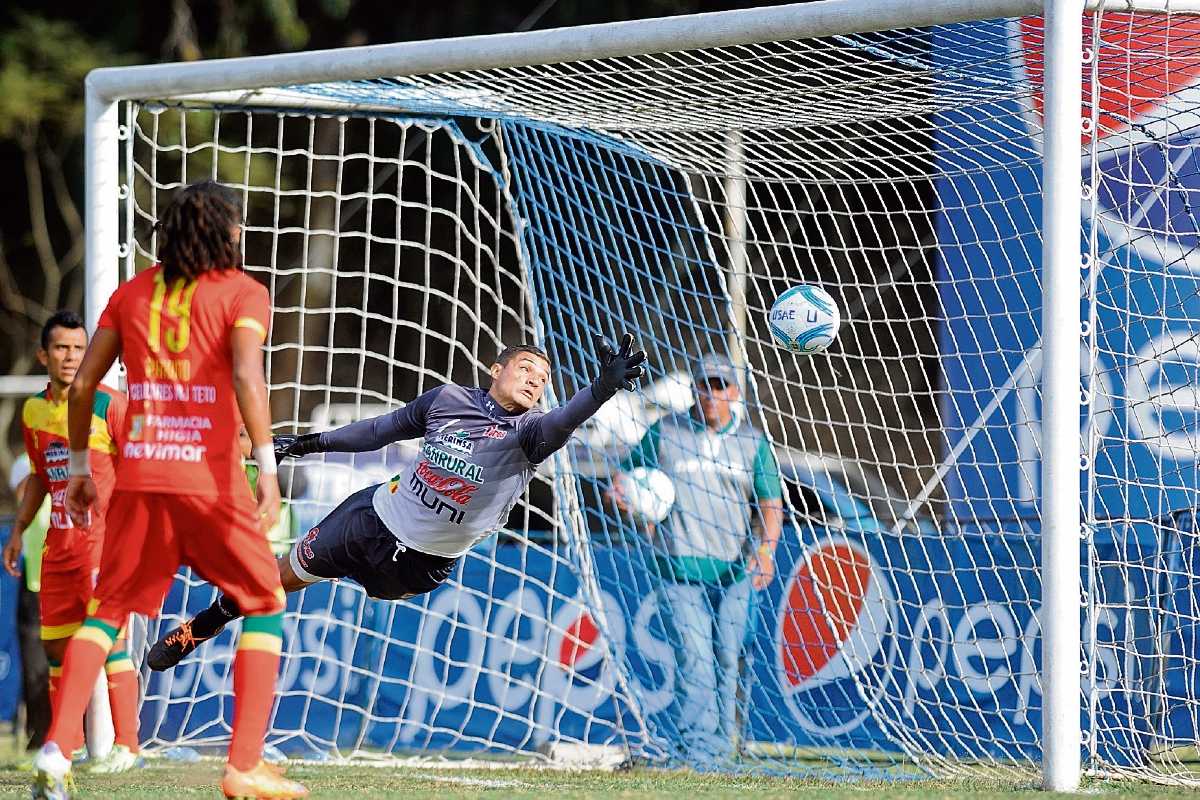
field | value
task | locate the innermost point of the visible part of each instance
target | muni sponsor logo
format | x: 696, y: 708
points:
x: 452, y: 463
x: 430, y: 500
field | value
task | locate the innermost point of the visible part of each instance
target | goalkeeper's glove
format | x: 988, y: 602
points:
x: 290, y: 445
x: 619, y: 369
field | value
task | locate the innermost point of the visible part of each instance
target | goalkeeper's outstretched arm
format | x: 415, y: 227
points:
x: 365, y: 435
x: 619, y: 369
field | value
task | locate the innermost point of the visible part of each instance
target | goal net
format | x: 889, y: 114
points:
x: 410, y: 227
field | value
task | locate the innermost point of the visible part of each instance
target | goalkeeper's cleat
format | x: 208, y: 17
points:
x: 264, y: 782
x: 51, y: 773
x: 119, y: 759
x: 175, y: 647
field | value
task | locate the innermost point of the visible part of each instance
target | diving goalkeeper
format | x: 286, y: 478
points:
x: 402, y: 538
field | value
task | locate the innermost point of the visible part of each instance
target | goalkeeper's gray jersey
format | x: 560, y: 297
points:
x: 474, y: 463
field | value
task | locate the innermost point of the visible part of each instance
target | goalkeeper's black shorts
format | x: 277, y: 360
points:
x: 352, y: 542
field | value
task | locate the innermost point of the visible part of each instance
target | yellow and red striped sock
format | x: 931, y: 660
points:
x: 123, y: 698
x: 255, y: 669
x: 86, y: 654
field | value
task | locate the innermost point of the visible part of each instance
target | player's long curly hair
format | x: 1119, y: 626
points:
x: 196, y: 232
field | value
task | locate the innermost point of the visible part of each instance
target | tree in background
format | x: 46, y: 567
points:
x: 45, y: 52
x: 42, y: 66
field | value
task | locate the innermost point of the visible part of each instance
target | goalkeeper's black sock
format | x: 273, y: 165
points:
x: 215, y: 617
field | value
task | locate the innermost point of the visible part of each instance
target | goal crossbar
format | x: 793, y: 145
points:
x: 606, y: 40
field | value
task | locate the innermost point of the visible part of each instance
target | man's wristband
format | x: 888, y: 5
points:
x: 264, y: 456
x: 79, y: 465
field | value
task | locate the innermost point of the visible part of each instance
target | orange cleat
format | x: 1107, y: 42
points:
x: 261, y: 783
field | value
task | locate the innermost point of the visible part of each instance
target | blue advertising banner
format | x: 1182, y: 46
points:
x: 452, y: 669
x: 10, y: 652
x: 918, y: 644
x: 1140, y: 361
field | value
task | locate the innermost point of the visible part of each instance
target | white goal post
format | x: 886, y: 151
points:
x: 270, y: 82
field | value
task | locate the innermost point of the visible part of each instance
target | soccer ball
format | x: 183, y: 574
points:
x: 648, y: 493
x: 804, y: 319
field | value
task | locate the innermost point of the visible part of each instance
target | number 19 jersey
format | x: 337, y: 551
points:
x: 183, y: 419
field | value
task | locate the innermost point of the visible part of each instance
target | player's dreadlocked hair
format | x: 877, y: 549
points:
x: 195, y: 232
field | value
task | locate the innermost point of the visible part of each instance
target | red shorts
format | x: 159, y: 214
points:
x: 69, y: 562
x: 149, y: 535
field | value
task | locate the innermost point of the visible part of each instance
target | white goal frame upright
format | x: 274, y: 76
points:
x: 1060, y: 511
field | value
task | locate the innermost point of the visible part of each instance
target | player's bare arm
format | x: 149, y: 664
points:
x: 250, y: 386
x: 31, y: 501
x: 102, y: 352
x: 770, y: 524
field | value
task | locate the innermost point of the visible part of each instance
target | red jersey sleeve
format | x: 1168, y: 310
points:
x: 252, y: 309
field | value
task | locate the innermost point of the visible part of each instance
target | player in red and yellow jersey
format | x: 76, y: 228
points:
x: 191, y: 332
x: 71, y: 554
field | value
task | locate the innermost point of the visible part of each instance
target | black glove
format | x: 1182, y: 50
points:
x: 293, y: 446
x: 619, y: 369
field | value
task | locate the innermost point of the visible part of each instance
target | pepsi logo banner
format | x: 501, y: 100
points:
x: 836, y: 624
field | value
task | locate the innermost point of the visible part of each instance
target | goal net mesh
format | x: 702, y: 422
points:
x: 409, y: 228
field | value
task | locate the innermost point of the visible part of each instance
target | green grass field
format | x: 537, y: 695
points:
x: 164, y: 780
x: 167, y: 780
